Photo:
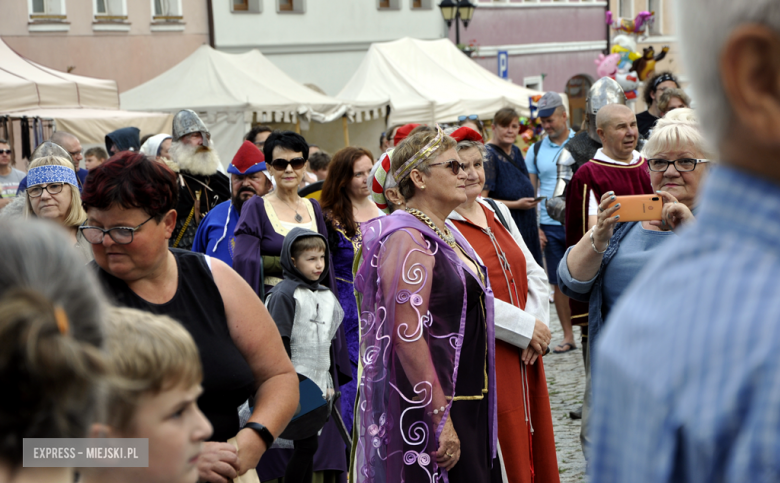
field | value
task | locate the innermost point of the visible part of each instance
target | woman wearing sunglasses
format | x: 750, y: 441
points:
x: 131, y: 207
x: 427, y: 391
x: 260, y: 232
x: 53, y: 193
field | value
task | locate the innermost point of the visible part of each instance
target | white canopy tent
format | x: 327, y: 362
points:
x: 431, y: 81
x: 230, y: 91
x: 84, y: 106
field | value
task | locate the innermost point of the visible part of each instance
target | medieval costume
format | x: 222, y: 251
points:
x: 214, y: 236
x: 525, y: 429
x: 259, y: 237
x: 124, y: 139
x: 201, y: 185
x: 419, y: 301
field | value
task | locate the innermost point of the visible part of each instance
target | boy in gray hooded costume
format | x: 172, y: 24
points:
x: 308, y: 315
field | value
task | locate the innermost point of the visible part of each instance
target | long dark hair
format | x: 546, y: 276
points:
x: 335, y: 199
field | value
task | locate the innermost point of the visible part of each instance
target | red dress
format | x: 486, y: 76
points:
x: 528, y: 449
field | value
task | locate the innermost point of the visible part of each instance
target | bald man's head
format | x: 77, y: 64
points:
x: 617, y: 131
x: 610, y: 112
x: 70, y: 143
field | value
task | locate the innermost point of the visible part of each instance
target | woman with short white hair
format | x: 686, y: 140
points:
x: 53, y: 193
x: 600, y: 267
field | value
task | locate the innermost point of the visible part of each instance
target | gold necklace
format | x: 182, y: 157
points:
x: 446, y: 235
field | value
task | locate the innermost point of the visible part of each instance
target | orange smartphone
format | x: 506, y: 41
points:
x: 638, y: 207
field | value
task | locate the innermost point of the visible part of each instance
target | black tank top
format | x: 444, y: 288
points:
x: 197, y: 305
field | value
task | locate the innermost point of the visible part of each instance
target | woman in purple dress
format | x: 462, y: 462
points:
x: 346, y: 204
x: 427, y: 407
x: 259, y: 234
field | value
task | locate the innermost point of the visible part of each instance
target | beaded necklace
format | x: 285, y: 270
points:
x: 445, y: 235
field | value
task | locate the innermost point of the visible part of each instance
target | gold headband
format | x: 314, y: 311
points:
x: 62, y: 320
x: 420, y: 156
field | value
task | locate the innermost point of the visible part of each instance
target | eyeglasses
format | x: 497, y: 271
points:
x: 260, y: 144
x: 123, y: 235
x: 472, y: 117
x: 5, y: 151
x: 37, y: 191
x: 281, y: 164
x: 453, y: 165
x: 682, y: 165
x: 75, y: 153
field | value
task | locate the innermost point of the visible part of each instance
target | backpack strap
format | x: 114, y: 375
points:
x: 537, y: 148
x: 494, y: 205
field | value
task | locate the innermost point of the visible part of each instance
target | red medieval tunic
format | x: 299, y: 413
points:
x: 527, y: 444
x: 600, y: 177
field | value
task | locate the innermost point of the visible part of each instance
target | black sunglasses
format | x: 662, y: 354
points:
x: 453, y: 165
x: 281, y: 164
x: 5, y: 151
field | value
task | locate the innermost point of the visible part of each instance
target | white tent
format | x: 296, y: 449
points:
x: 85, y: 106
x: 230, y: 91
x: 431, y: 81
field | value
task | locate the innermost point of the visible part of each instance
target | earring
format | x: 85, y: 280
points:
x: 422, y: 187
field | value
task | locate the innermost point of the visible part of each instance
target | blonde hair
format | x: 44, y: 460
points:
x: 147, y: 353
x: 411, y: 146
x: 678, y: 131
x: 76, y: 214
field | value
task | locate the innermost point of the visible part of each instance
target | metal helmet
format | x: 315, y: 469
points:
x: 48, y: 148
x: 604, y: 91
x: 186, y: 122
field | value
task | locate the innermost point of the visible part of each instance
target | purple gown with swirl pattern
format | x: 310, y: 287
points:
x: 426, y: 334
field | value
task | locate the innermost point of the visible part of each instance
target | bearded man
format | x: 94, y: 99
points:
x: 247, y: 179
x: 201, y: 185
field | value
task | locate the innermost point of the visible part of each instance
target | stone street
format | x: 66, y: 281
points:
x: 566, y: 383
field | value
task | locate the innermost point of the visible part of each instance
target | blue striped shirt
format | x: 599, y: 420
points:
x: 686, y: 377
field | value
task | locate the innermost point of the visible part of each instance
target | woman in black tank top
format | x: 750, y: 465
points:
x: 130, y: 202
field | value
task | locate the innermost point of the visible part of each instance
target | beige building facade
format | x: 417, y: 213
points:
x: 130, y: 41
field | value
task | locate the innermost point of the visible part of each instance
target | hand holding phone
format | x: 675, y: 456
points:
x: 638, y: 207
x: 540, y: 198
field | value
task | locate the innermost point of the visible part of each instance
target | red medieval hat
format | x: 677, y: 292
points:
x: 465, y: 133
x: 249, y: 159
x: 402, y: 132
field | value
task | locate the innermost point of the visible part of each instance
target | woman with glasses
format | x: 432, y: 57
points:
x: 604, y: 262
x: 525, y: 429
x: 427, y: 391
x: 131, y: 208
x: 53, y: 193
x: 346, y: 204
x: 259, y: 234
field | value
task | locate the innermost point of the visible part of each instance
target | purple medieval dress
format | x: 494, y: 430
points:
x: 260, y: 233
x: 410, y: 282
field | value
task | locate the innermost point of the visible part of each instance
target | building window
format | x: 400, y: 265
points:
x: 167, y: 11
x: 246, y: 6
x: 422, y: 4
x: 240, y: 5
x: 655, y: 6
x: 47, y: 10
x: 534, y: 82
x: 110, y: 10
x: 626, y: 8
x: 291, y: 6
x: 390, y: 4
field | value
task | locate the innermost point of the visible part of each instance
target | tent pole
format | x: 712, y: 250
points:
x: 346, y: 131
x: 298, y: 125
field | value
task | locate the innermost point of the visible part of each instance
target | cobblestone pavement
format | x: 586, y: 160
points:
x: 566, y: 383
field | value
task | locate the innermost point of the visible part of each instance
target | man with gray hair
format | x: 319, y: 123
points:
x: 686, y: 383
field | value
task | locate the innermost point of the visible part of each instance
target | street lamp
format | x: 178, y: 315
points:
x: 454, y: 10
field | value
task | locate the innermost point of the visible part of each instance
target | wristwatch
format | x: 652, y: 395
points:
x: 263, y: 432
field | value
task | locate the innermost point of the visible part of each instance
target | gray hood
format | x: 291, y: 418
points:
x: 290, y: 271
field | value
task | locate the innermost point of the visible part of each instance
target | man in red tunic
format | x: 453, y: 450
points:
x: 617, y: 167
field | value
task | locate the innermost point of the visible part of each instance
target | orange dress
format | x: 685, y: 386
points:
x: 525, y: 429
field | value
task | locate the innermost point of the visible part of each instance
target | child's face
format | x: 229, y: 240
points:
x: 176, y: 428
x: 92, y: 162
x: 310, y: 263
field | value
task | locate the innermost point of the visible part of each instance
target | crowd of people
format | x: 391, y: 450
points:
x: 299, y: 316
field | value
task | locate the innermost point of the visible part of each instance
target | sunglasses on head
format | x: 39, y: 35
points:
x: 471, y: 117
x: 281, y: 164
